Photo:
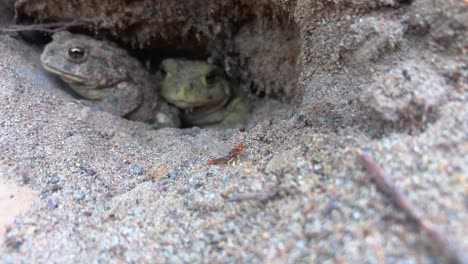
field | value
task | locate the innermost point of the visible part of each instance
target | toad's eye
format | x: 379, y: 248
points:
x: 77, y: 54
x: 211, y: 78
x: 163, y: 72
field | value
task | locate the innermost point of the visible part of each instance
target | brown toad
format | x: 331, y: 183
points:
x: 108, y: 78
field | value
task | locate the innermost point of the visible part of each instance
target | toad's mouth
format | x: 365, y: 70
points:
x: 199, y: 107
x: 66, y: 76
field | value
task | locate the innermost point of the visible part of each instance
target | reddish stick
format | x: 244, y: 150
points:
x: 436, y: 233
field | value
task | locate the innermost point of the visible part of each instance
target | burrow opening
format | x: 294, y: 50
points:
x: 258, y: 56
x: 256, y: 50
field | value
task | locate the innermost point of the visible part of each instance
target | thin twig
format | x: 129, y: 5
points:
x: 46, y: 27
x: 448, y: 245
x: 260, y: 196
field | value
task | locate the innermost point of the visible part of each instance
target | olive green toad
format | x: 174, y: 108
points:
x: 203, y: 92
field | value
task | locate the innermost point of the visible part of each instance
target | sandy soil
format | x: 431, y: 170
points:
x: 14, y: 199
x: 392, y: 83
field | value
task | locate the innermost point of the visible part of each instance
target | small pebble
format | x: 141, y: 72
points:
x: 51, y: 205
x: 137, y: 170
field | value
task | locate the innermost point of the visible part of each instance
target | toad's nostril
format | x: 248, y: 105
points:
x: 181, y: 92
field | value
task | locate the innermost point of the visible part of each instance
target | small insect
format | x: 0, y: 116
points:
x: 233, y: 154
